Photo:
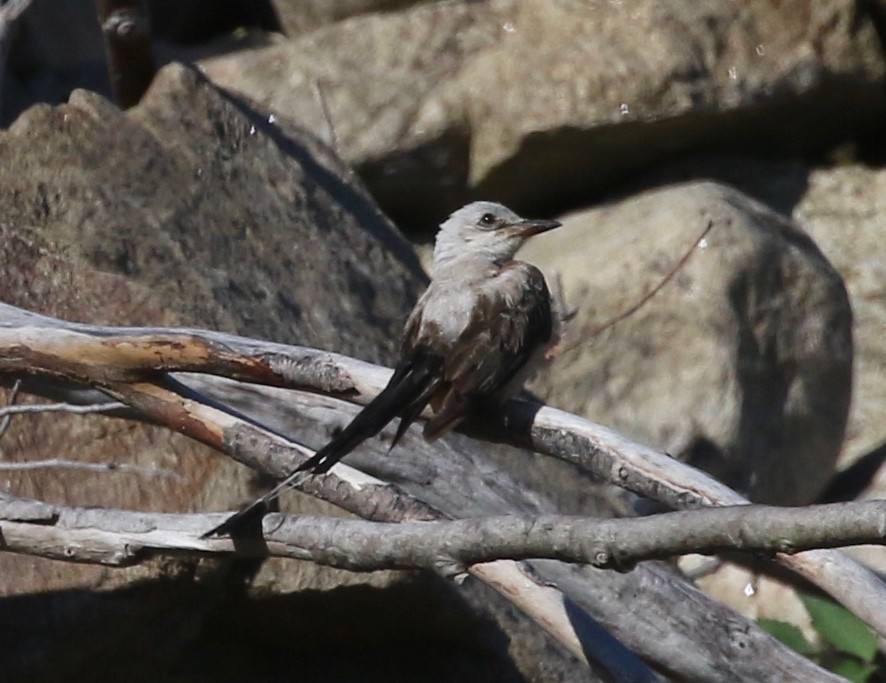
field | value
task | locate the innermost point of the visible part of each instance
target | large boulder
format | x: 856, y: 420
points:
x: 742, y: 364
x: 540, y: 102
x: 841, y: 208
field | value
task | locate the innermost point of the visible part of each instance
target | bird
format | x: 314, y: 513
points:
x: 483, y: 323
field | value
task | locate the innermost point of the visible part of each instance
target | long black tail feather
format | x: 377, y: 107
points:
x: 406, y: 395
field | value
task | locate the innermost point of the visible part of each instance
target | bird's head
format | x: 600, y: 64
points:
x: 485, y: 230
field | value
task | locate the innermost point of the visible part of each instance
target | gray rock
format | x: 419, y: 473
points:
x: 547, y: 101
x: 844, y: 211
x: 741, y: 364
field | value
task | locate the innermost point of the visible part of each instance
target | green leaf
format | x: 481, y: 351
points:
x: 788, y: 634
x: 854, y: 670
x: 842, y: 629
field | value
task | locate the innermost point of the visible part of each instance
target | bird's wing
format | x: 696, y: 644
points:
x: 510, y: 320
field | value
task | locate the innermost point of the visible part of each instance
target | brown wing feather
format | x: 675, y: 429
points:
x: 500, y: 338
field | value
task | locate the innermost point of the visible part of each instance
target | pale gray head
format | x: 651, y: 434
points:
x: 485, y: 230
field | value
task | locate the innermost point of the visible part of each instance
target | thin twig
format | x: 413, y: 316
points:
x: 59, y: 463
x: 104, y: 407
x: 13, y: 394
x: 327, y: 116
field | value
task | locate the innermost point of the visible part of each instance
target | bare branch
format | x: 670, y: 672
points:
x: 126, y: 363
x: 123, y: 538
x: 97, y: 355
x: 12, y: 10
x: 350, y: 490
x: 60, y: 463
x: 13, y: 395
x: 77, y: 409
x: 332, y: 138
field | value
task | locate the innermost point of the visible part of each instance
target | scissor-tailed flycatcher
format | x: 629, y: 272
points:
x: 483, y: 319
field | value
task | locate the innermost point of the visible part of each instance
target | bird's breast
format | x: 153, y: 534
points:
x: 448, y: 311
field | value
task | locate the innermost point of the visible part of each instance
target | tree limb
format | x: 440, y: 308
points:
x: 77, y: 409
x: 61, y: 463
x: 128, y: 362
x: 123, y: 538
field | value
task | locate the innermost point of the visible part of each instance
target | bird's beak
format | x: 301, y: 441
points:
x: 528, y: 228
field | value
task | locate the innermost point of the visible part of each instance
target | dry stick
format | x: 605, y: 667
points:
x: 59, y: 463
x: 327, y: 116
x: 9, y: 12
x: 125, y: 538
x: 12, y: 10
x: 545, y: 604
x: 7, y: 418
x: 77, y: 409
x: 129, y: 352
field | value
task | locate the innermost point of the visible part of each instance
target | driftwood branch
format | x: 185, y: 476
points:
x: 132, y: 365
x: 107, y: 467
x: 271, y: 453
x: 114, y: 357
x: 371, y: 499
x: 106, y: 407
x: 124, y: 538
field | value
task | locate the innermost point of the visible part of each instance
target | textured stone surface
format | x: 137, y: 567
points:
x: 742, y: 364
x: 842, y: 208
x: 844, y: 211
x: 212, y: 209
x: 545, y: 101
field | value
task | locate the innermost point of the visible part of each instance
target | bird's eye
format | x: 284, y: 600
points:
x: 487, y: 219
